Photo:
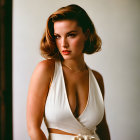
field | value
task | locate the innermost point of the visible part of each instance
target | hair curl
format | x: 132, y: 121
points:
x: 71, y: 12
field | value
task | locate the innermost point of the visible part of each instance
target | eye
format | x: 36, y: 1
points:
x: 71, y: 35
x: 56, y: 36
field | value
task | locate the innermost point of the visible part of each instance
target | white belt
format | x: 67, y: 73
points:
x: 84, y: 137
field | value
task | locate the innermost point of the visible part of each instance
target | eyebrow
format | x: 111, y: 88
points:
x: 73, y: 31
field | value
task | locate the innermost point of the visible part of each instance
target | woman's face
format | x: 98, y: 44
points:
x: 69, y: 38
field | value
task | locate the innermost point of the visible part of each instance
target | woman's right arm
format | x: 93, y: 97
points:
x: 37, y: 94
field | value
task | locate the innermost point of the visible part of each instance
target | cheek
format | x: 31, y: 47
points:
x: 78, y: 43
x: 58, y: 45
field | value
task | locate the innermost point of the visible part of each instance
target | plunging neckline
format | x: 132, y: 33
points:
x: 67, y: 100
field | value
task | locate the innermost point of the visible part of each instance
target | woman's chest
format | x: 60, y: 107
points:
x: 77, y: 90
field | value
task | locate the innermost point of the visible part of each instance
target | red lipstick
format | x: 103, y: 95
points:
x: 66, y: 52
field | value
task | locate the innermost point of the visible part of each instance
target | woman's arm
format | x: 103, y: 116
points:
x: 102, y: 128
x: 37, y: 94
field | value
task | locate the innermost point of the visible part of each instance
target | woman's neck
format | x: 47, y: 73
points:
x: 75, y: 64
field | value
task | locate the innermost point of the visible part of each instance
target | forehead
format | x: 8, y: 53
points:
x: 65, y: 26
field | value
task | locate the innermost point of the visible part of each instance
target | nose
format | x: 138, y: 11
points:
x: 64, y: 43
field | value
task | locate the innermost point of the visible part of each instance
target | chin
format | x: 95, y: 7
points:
x: 67, y: 57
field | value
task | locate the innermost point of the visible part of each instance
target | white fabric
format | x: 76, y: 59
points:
x: 58, y: 113
x: 53, y: 136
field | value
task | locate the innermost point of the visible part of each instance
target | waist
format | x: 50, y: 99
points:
x: 57, y: 131
x: 76, y: 136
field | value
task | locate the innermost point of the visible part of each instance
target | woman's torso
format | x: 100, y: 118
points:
x: 74, y: 103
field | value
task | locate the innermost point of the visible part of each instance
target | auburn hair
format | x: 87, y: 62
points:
x: 48, y: 46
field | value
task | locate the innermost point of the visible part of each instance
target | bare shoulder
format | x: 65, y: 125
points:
x: 42, y: 74
x: 97, y: 75
x: 40, y: 80
x: 45, y: 66
x: 100, y: 80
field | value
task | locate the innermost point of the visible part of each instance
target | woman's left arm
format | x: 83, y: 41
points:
x: 102, y: 128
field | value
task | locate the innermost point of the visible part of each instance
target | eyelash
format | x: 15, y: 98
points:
x: 56, y: 36
x: 72, y: 35
x: 69, y: 35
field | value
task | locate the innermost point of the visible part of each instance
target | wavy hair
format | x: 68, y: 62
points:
x: 48, y: 46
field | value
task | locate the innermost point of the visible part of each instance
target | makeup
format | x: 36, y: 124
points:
x: 66, y: 52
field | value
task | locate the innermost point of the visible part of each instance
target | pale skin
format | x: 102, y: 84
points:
x: 69, y: 36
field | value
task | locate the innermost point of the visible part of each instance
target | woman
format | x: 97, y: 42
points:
x: 63, y: 89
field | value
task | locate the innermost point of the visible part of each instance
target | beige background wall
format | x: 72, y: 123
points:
x: 117, y: 23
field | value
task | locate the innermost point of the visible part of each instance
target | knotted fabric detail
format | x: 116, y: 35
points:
x: 84, y: 137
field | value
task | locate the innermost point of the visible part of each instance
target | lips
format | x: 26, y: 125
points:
x: 66, y: 52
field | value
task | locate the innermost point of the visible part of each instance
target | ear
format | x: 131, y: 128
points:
x: 87, y: 33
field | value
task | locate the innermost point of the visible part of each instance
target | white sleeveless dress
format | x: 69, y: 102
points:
x: 58, y: 113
